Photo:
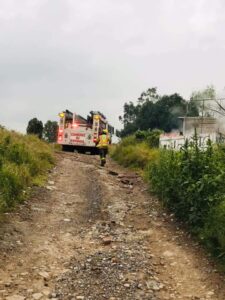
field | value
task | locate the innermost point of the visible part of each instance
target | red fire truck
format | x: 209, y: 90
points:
x: 79, y: 134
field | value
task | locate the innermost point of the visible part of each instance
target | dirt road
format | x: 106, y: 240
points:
x: 96, y: 233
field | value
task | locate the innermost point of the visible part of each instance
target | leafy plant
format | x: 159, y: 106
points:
x: 23, y: 161
x: 134, y: 151
x: 190, y: 182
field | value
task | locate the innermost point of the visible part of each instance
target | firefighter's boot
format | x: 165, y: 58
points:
x: 103, y: 161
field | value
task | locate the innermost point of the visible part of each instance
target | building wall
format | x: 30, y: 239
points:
x: 205, y: 125
x: 206, y: 128
x: 176, y: 143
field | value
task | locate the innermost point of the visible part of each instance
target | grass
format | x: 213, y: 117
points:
x: 24, y: 161
x: 131, y: 153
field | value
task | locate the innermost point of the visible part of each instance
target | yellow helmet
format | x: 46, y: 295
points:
x: 105, y: 131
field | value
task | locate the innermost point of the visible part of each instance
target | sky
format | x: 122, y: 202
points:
x: 87, y: 55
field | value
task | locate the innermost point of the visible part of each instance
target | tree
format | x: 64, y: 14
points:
x: 35, y: 127
x: 153, y: 111
x: 149, y: 95
x: 192, y: 108
x: 50, y: 131
x: 130, y: 111
x: 204, y: 100
x: 131, y: 116
x: 168, y: 109
x: 208, y: 103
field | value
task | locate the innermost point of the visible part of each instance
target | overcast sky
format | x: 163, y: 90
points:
x: 96, y: 54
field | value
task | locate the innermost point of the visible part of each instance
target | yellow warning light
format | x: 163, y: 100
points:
x: 61, y: 115
x: 96, y: 117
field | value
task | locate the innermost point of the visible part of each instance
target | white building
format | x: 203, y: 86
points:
x: 205, y: 127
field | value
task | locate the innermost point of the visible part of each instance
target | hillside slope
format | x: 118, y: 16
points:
x: 24, y: 160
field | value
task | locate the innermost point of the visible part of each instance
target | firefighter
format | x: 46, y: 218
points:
x: 102, y: 143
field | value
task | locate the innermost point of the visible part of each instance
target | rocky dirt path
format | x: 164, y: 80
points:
x: 96, y: 233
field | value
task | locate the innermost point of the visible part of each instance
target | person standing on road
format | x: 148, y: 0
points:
x: 103, y: 143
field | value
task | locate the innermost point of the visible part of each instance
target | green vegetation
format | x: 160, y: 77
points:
x: 35, y: 126
x: 155, y: 111
x: 134, y: 151
x: 24, y: 161
x: 50, y: 131
x: 190, y: 182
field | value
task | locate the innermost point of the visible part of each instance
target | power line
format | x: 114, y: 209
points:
x: 208, y: 99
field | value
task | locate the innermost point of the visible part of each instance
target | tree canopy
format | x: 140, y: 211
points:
x: 50, y: 131
x: 205, y: 100
x: 153, y: 111
x: 35, y: 126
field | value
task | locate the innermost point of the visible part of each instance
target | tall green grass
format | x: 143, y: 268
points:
x: 24, y: 160
x: 133, y: 153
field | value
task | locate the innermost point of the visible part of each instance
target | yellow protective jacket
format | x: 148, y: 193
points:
x: 103, y: 141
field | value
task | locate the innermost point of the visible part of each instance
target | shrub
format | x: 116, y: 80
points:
x: 131, y: 153
x: 213, y: 233
x: 190, y: 182
x: 23, y: 161
x: 13, y: 179
x: 151, y: 137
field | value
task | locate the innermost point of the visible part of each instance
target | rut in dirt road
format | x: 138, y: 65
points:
x: 95, y: 233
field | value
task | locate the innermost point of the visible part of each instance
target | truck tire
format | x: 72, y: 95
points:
x: 64, y: 147
x: 67, y: 148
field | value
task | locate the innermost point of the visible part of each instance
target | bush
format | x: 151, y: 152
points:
x: 213, y: 233
x: 24, y: 161
x: 133, y: 153
x: 190, y: 182
x: 151, y: 137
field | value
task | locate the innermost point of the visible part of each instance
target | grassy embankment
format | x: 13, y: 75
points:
x: 24, y: 161
x: 190, y: 182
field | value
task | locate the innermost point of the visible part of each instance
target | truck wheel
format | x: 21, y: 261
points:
x: 80, y: 151
x: 67, y: 148
x: 64, y: 148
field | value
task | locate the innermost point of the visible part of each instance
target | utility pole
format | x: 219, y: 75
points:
x: 203, y: 107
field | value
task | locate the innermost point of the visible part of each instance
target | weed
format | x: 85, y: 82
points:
x: 190, y: 182
x: 24, y: 160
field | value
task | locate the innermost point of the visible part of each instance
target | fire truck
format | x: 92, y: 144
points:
x: 79, y: 134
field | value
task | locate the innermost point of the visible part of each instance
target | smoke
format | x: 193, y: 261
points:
x: 177, y: 111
